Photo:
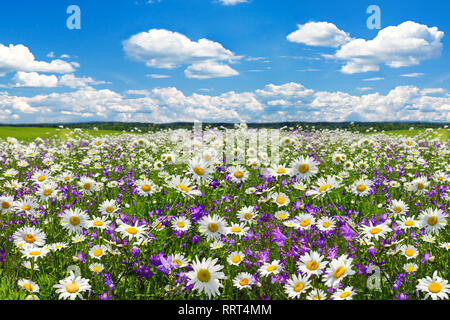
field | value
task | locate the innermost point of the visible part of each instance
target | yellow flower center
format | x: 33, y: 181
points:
x: 305, y: 222
x: 74, y: 221
x: 408, y: 143
x: 35, y: 253
x: 344, y: 294
x: 248, y: 216
x: 29, y: 238
x: 432, y: 220
x: 397, y: 209
x: 109, y: 209
x: 236, y: 259
x: 145, y: 188
x: 238, y: 174
x: 66, y: 178
x: 72, y: 287
x: 375, y: 230
x: 235, y: 229
x: 98, y: 252
x: 326, y: 224
x: 47, y: 192
x: 177, y: 262
x: 281, y: 170
x: 411, y: 269
x: 243, y: 282
x: 282, y: 216
x: 25, y: 207
x: 435, y: 287
x: 41, y: 178
x: 312, y: 265
x: 338, y: 272
x: 325, y: 187
x: 361, y: 188
x: 28, y: 286
x: 203, y: 275
x: 409, y: 252
x: 131, y: 230
x: 281, y: 200
x: 98, y: 223
x: 5, y: 205
x: 98, y: 143
x: 299, y: 287
x: 409, y: 223
x: 199, y: 171
x: 338, y: 159
x: 420, y: 186
x: 87, y: 186
x: 180, y: 224
x: 271, y: 268
x: 440, y: 178
x: 183, y: 187
x: 96, y: 268
x: 213, y: 227
x: 303, y: 168
x: 169, y: 158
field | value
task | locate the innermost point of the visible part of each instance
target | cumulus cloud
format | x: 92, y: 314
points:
x: 323, y: 34
x: 19, y: 58
x: 160, y: 48
x: 406, y: 44
x: 395, y: 46
x: 70, y: 80
x: 275, y: 102
x: 209, y: 69
x: 34, y: 79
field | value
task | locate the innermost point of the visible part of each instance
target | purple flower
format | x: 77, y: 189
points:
x: 81, y: 256
x: 105, y: 296
x: 426, y: 256
x: 278, y: 237
x: 401, y: 296
x: 166, y: 265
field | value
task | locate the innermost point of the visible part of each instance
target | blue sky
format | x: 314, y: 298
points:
x: 215, y: 60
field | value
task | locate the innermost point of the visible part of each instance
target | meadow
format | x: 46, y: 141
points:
x: 327, y: 214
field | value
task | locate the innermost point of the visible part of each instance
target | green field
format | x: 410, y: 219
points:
x: 31, y: 133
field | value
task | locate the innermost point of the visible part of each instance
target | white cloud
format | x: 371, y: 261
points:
x: 412, y: 75
x: 373, y: 79
x: 160, y: 48
x: 209, y: 69
x: 275, y: 102
x: 364, y: 88
x: 395, y: 46
x: 427, y: 91
x: 34, y: 79
x: 157, y: 76
x: 70, y: 80
x: 232, y: 2
x: 19, y: 58
x: 323, y: 34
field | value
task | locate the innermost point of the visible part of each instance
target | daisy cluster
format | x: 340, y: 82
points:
x: 158, y: 216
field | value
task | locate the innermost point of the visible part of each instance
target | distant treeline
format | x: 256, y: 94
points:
x: 148, y: 127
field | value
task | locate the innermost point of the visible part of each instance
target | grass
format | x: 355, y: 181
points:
x: 441, y: 134
x: 31, y: 133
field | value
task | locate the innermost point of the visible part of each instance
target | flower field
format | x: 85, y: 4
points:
x: 178, y: 214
